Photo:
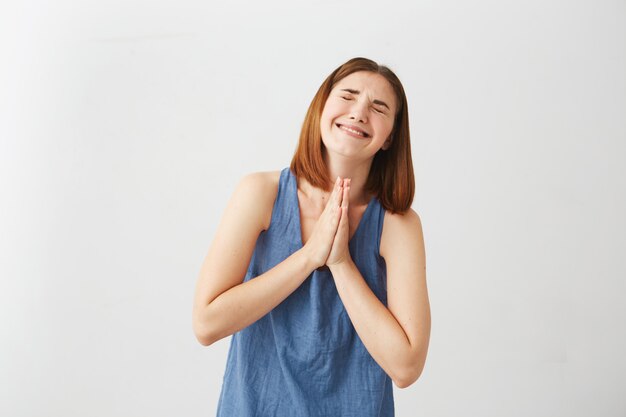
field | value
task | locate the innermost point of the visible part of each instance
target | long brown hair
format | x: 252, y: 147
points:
x: 391, y: 176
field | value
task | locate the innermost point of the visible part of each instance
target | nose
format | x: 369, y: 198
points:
x: 358, y: 112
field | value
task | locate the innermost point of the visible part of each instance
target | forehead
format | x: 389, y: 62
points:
x: 374, y: 85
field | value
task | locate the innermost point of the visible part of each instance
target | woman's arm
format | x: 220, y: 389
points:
x: 223, y: 304
x: 396, y: 336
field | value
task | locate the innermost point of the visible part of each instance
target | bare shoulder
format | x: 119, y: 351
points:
x: 258, y: 190
x: 260, y: 182
x: 401, y: 229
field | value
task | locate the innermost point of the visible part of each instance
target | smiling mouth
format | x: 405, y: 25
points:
x: 353, y: 131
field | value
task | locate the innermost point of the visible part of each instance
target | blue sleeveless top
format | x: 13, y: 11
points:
x: 304, y: 357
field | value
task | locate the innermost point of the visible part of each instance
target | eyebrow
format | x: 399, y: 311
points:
x: 357, y: 92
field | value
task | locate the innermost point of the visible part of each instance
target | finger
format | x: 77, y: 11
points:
x: 338, y: 194
x: 337, y: 198
x: 332, y: 198
x: 343, y: 228
x: 335, y: 219
x: 336, y: 188
x: 336, y: 222
x: 342, y: 198
x: 343, y: 222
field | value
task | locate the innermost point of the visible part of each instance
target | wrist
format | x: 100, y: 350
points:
x: 339, y: 268
x: 307, y: 259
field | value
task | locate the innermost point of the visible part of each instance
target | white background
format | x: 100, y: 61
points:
x: 125, y: 125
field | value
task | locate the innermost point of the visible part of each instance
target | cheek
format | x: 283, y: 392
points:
x: 385, y: 127
x: 324, y: 123
x: 332, y: 109
x: 390, y: 127
x: 326, y: 119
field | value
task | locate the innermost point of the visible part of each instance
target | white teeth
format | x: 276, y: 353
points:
x: 352, y: 130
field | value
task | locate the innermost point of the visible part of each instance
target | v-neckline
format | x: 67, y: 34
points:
x: 299, y: 219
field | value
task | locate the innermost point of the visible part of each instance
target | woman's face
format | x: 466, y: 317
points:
x: 358, y: 116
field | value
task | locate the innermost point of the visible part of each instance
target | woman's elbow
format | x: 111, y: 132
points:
x: 204, y: 339
x: 202, y: 331
x: 409, y: 376
x: 405, y: 382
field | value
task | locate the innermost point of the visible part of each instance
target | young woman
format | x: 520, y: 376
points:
x: 318, y: 270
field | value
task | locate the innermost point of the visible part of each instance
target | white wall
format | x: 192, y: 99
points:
x: 125, y: 125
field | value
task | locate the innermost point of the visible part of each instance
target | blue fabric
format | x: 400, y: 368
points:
x: 304, y: 357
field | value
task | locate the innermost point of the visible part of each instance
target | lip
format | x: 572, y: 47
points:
x: 355, y: 128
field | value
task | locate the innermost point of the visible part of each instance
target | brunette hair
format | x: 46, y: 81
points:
x: 391, y: 176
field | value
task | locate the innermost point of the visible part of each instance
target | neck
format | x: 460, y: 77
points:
x: 356, y: 171
x: 345, y: 168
